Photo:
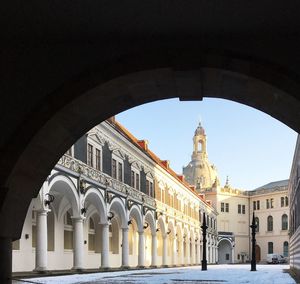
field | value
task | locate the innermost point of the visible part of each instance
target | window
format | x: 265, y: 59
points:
x: 222, y: 207
x: 226, y: 207
x: 257, y: 204
x: 227, y: 256
x: 98, y: 159
x: 284, y: 222
x: 282, y: 201
x: 257, y: 224
x: 270, y: 247
x: 149, y: 189
x: 114, y: 168
x: 117, y: 169
x: 90, y: 155
x: 270, y: 224
x: 239, y: 208
x: 285, y: 249
x: 286, y: 201
x: 272, y: 202
x: 135, y: 179
x: 268, y: 203
x: 120, y: 171
x: 243, y: 209
x: 254, y: 205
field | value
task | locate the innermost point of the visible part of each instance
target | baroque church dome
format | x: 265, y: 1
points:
x: 200, y: 172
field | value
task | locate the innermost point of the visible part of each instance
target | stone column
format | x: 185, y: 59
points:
x: 182, y: 252
x: 125, y: 248
x: 174, y: 251
x: 105, y: 246
x: 78, y: 244
x: 232, y: 252
x: 193, y: 252
x: 154, y: 250
x: 141, y: 254
x: 188, y: 252
x: 41, y: 241
x: 5, y: 260
x: 165, y: 250
x: 198, y: 260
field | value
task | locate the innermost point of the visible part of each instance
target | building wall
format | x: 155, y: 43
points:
x: 278, y: 235
x: 294, y: 195
x: 165, y: 231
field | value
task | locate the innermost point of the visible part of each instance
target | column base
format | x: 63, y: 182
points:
x: 125, y: 266
x: 141, y: 266
x: 75, y: 269
x: 41, y: 270
x: 104, y: 268
x: 153, y: 266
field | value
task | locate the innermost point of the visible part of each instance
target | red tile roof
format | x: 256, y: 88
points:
x: 143, y: 145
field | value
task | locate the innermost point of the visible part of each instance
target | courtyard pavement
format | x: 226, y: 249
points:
x: 216, y: 274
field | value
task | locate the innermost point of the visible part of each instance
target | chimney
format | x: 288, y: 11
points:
x: 143, y: 144
x: 166, y: 163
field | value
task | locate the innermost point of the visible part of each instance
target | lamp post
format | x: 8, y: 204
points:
x: 204, y: 227
x: 253, y: 232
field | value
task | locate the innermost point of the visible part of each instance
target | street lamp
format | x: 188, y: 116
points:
x: 253, y: 231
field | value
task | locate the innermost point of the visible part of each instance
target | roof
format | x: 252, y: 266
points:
x: 164, y: 164
x: 274, y: 184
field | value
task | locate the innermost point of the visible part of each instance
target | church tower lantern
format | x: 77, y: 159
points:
x: 200, y: 172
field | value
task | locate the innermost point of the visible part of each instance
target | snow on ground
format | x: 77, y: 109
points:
x: 265, y: 274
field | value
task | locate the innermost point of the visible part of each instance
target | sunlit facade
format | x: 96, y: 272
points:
x: 235, y: 207
x: 111, y: 202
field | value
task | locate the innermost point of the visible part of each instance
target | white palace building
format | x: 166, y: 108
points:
x: 111, y: 202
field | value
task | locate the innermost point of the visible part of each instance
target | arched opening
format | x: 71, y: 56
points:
x: 225, y: 251
x: 117, y: 76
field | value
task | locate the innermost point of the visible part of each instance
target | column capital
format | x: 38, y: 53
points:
x: 43, y: 211
x: 78, y: 219
x: 125, y: 229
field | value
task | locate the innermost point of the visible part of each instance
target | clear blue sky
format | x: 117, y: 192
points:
x: 249, y: 146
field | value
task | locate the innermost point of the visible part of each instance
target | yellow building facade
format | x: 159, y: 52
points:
x: 235, y: 208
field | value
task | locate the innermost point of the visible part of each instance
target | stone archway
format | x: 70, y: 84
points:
x: 116, y: 82
x: 225, y: 251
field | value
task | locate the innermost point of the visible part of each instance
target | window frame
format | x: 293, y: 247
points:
x: 119, y: 161
x: 270, y: 226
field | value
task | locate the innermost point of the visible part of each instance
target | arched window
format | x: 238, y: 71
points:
x: 270, y: 224
x: 286, y: 201
x: 285, y: 249
x: 257, y: 224
x: 284, y: 222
